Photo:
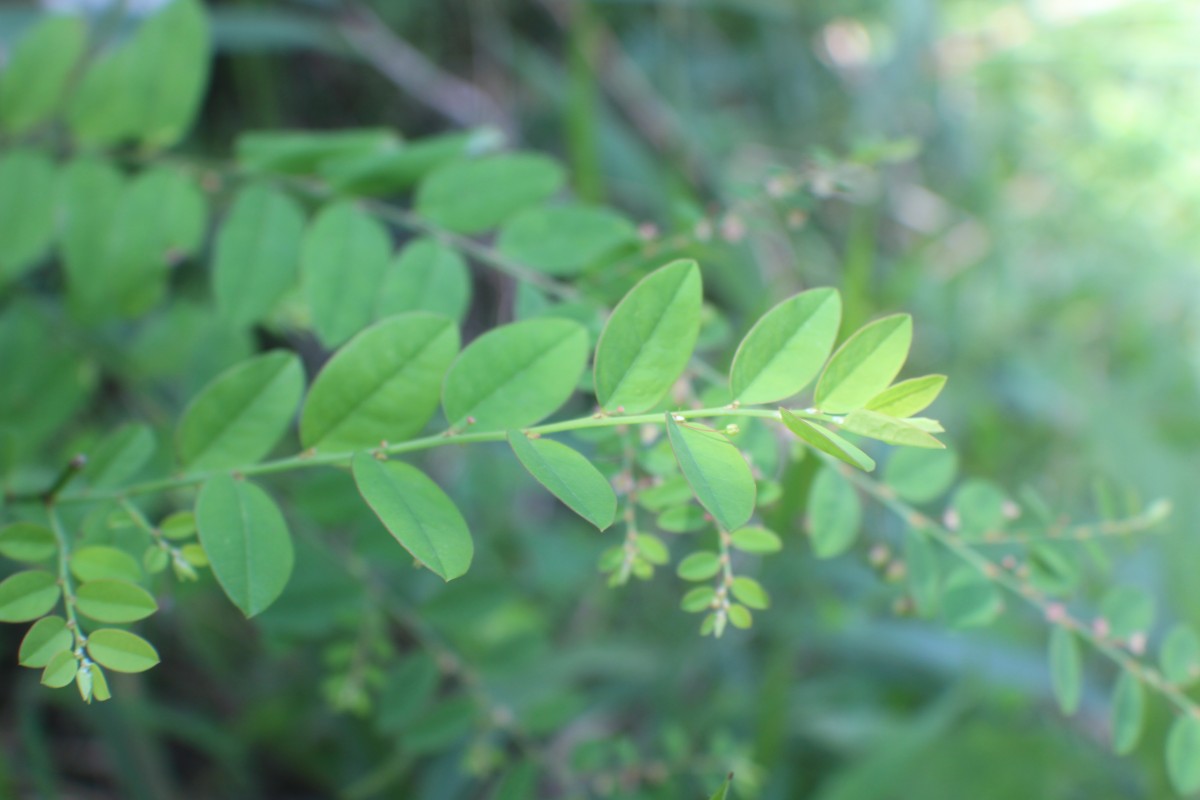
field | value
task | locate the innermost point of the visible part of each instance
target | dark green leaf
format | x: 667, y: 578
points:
x: 38, y: 68
x: 564, y: 240
x: 383, y: 385
x: 426, y: 276
x: 568, y: 476
x: 121, y: 651
x: 649, y: 338
x: 247, y: 542
x: 834, y: 514
x: 515, y: 375
x: 257, y: 253
x: 716, y: 470
x: 27, y: 202
x: 303, y: 152
x: 786, y: 348
x: 171, y: 54
x: 417, y: 512
x: 240, y: 416
x: 344, y: 257
x: 119, y: 456
x: 474, y: 196
x: 865, y: 364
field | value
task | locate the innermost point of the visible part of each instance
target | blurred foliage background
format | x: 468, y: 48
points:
x: 1022, y: 176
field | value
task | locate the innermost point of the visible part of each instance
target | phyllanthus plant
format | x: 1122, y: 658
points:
x: 670, y: 449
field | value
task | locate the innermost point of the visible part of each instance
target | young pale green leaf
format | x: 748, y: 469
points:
x: 649, y: 338
x: 119, y: 456
x: 568, y: 476
x: 1180, y: 655
x: 426, y: 276
x: 564, y: 240
x: 27, y: 595
x: 344, y: 257
x: 60, y: 671
x: 716, y: 470
x: 786, y: 348
x: 303, y: 152
x: 919, y: 476
x: 756, y: 540
x: 826, y: 441
x: 515, y: 375
x: 100, y: 691
x: 834, y: 514
x: 89, y: 198
x: 750, y: 592
x: 1183, y: 754
x: 1066, y: 671
x: 1128, y: 713
x: 699, y: 566
x: 257, y: 253
x: 241, y: 414
x: 121, y: 651
x: 110, y: 600
x: 383, y: 385
x: 1128, y: 611
x: 45, y: 639
x: 887, y: 429
x: 28, y: 181
x: 698, y: 599
x: 908, y: 397
x: 474, y: 196
x: 865, y: 364
x: 969, y: 600
x: 38, y: 68
x: 247, y: 542
x: 739, y: 616
x: 417, y: 512
x: 170, y: 54
x: 921, y: 572
x: 28, y: 542
x: 100, y: 561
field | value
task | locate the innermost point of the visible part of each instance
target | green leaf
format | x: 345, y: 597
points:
x: 568, y: 476
x: 1128, y: 611
x: 119, y: 456
x: 240, y: 416
x: 865, y: 364
x: 750, y: 592
x: 834, y: 514
x: 384, y: 384
x: 671, y: 492
x: 38, y: 68
x: 1066, y: 671
x: 407, y: 690
x: 716, y: 470
x: 247, y: 542
x: 27, y: 541
x: 46, y: 638
x: 303, y: 152
x: 739, y: 616
x: 417, y: 512
x: 100, y: 691
x: 786, y: 348
x: 90, y: 192
x: 683, y: 519
x: 110, y: 600
x: 1183, y: 754
x: 426, y: 276
x: 1180, y: 655
x: 698, y: 599
x: 919, y: 476
x: 257, y: 253
x: 27, y: 202
x: 722, y: 793
x: 564, y: 240
x: 699, y: 566
x: 172, y: 53
x: 344, y: 257
x: 1128, y: 713
x: 98, y: 561
x: 515, y: 375
x: 921, y: 572
x: 970, y: 600
x: 178, y: 526
x: 474, y: 196
x: 653, y: 549
x: 980, y: 507
x: 649, y: 338
x: 826, y: 441
x: 104, y: 108
x: 756, y: 540
x: 121, y: 651
x: 908, y: 397
x: 27, y: 595
x: 60, y: 671
x: 388, y: 170
x: 888, y: 429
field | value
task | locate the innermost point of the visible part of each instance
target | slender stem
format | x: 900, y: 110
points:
x: 1053, y: 611
x: 64, y: 576
x: 311, y: 458
x: 1140, y: 523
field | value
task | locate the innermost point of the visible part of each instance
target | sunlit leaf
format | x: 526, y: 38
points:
x: 888, y: 429
x: 786, y: 348
x: 826, y: 441
x: 909, y: 397
x: 865, y: 364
